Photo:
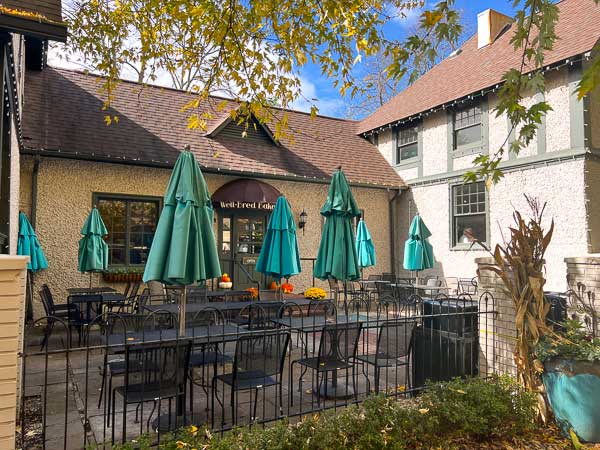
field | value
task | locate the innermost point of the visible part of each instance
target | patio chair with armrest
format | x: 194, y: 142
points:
x: 89, y: 307
x: 124, y: 324
x: 147, y: 384
x: 467, y: 286
x: 63, y: 315
x: 205, y: 354
x: 258, y: 363
x: 394, y: 342
x: 337, y: 351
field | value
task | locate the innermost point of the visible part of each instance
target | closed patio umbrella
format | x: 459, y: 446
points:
x: 183, y: 250
x: 279, y: 256
x: 93, y: 251
x: 28, y: 245
x: 418, y: 252
x: 337, y: 257
x: 364, y: 246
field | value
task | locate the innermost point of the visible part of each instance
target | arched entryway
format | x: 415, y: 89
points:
x: 243, y: 207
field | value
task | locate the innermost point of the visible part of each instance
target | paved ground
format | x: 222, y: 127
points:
x: 73, y: 382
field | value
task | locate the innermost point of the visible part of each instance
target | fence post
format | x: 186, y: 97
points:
x: 13, y: 271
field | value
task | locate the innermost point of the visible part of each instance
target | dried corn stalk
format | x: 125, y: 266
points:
x: 519, y: 262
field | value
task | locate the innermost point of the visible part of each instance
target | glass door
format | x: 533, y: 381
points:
x: 249, y: 233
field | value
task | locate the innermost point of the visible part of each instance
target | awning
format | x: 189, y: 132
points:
x: 246, y: 193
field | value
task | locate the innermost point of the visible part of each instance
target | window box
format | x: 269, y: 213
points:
x: 123, y: 275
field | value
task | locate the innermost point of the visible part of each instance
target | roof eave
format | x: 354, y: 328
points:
x: 44, y: 30
x: 206, y: 169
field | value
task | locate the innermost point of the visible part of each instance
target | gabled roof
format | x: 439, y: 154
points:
x: 64, y: 117
x: 39, y: 18
x: 473, y: 69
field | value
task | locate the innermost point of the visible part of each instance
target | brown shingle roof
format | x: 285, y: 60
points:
x: 475, y: 69
x: 63, y: 112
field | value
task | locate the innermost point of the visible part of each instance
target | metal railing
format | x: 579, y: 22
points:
x: 74, y: 397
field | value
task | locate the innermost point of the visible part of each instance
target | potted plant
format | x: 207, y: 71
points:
x: 571, y: 357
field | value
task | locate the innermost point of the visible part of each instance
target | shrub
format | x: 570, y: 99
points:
x: 470, y: 408
x: 480, y: 408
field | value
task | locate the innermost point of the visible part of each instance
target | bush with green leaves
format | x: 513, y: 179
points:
x: 473, y: 408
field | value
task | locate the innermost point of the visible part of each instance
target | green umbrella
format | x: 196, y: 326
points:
x: 183, y: 249
x: 364, y: 246
x: 28, y: 245
x: 93, y: 251
x: 279, y: 256
x: 418, y: 252
x: 337, y: 256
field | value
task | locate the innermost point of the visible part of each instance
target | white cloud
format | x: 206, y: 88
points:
x: 406, y: 18
x: 328, y: 106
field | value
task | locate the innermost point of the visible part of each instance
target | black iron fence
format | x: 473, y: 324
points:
x: 240, y: 363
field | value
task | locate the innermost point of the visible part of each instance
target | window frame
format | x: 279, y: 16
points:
x: 97, y: 196
x: 486, y: 213
x: 418, y: 126
x: 480, y: 146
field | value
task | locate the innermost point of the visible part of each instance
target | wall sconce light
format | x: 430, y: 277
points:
x: 302, y: 220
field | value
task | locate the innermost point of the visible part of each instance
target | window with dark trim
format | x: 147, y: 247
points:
x: 468, y: 126
x: 131, y: 224
x: 407, y: 143
x: 469, y: 213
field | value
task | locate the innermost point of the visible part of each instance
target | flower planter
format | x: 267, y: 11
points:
x: 573, y: 389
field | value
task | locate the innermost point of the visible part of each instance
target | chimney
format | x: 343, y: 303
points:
x: 490, y: 24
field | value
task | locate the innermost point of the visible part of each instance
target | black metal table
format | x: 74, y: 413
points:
x: 92, y: 291
x: 220, y: 306
x: 200, y: 334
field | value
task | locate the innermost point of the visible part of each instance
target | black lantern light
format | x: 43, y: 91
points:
x: 302, y: 220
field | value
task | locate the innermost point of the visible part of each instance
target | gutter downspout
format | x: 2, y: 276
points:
x: 392, y: 228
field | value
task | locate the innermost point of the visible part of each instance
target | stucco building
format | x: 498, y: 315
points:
x: 431, y: 132
x: 71, y: 160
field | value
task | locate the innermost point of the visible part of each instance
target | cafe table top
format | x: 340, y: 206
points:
x: 200, y: 334
x: 220, y: 306
x: 424, y: 287
x: 316, y: 323
x: 93, y: 290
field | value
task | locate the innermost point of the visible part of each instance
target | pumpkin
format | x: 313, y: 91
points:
x: 273, y: 286
x: 287, y: 288
x: 225, y: 278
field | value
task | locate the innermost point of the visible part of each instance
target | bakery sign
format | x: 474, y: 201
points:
x: 236, y: 204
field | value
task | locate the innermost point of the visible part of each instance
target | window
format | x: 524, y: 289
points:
x: 131, y: 223
x: 469, y: 213
x: 407, y: 143
x: 467, y: 127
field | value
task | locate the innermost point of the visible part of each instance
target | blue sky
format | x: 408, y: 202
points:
x: 330, y: 103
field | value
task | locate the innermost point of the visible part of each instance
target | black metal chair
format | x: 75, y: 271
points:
x: 258, y: 315
x: 123, y: 324
x: 337, y: 351
x: 64, y: 314
x: 258, y: 364
x: 196, y: 294
x: 203, y: 354
x: 144, y: 383
x: 467, y: 286
x: 394, y: 343
x: 326, y: 308
x: 89, y: 307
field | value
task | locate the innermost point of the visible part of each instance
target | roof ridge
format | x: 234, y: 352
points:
x: 182, y: 91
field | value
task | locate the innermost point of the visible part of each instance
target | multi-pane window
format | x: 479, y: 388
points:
x: 469, y: 213
x: 407, y: 143
x: 131, y: 224
x: 467, y: 126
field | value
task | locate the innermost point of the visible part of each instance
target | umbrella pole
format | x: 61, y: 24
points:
x: 182, y: 312
x: 90, y: 280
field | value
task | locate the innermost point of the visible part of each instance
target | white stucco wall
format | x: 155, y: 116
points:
x: 435, y: 144
x: 549, y: 184
x: 558, y: 127
x: 385, y: 146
